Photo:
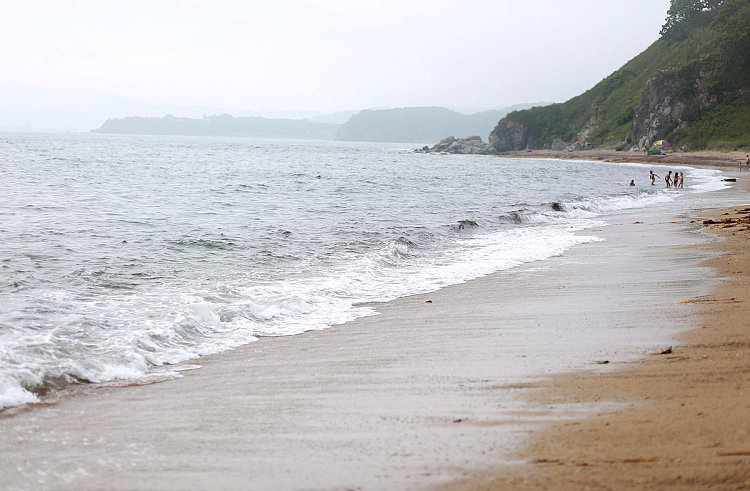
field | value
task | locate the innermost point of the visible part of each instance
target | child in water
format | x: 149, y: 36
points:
x: 653, y: 177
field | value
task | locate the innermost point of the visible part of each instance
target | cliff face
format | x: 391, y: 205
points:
x: 510, y: 136
x: 659, y: 108
x: 671, y: 105
x: 664, y: 110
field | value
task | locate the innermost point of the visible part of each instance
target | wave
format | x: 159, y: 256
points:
x: 126, y: 334
x: 120, y: 319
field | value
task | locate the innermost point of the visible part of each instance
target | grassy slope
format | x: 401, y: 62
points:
x: 612, y: 102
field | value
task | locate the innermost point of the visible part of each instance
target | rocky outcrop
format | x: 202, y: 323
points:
x: 469, y: 145
x: 510, y: 136
x: 582, y: 139
x: 574, y: 146
x: 558, y: 145
x: 660, y: 108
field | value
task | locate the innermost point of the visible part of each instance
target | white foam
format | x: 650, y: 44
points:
x: 99, y: 334
x: 12, y: 394
x: 706, y: 180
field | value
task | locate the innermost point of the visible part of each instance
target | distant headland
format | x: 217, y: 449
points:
x: 222, y: 125
x: 399, y: 125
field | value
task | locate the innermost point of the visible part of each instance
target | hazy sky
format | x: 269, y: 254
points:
x: 325, y: 55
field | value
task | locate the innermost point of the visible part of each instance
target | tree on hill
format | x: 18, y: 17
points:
x: 733, y: 26
x: 683, y: 12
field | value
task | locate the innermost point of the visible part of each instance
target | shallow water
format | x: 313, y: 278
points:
x: 124, y: 253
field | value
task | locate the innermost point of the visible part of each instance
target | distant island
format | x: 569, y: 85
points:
x: 222, y: 125
x: 419, y: 124
x: 400, y: 125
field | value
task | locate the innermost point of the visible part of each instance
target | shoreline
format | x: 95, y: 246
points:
x: 710, y: 159
x: 687, y: 419
x: 377, y: 403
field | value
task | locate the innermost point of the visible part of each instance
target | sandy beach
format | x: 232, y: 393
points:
x: 688, y: 421
x: 649, y: 329
x: 707, y: 158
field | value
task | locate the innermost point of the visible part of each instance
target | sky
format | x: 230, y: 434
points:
x: 324, y: 55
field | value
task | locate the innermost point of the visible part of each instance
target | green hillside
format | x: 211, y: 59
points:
x: 691, y: 87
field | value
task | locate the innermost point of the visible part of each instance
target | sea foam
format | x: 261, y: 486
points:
x: 112, y: 272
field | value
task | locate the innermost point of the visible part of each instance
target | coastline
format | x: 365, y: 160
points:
x: 687, y: 421
x: 373, y: 404
x: 708, y: 158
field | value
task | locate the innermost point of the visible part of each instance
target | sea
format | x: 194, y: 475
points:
x: 124, y: 255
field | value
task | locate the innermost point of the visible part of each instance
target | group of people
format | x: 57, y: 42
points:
x: 677, y: 181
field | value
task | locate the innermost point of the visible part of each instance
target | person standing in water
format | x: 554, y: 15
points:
x: 653, y: 177
x: 682, y: 179
x: 668, y: 179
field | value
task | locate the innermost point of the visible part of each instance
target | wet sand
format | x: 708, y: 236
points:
x: 687, y: 421
x: 708, y: 158
x: 437, y: 389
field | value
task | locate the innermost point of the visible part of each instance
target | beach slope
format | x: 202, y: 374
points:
x: 687, y: 419
x: 440, y: 388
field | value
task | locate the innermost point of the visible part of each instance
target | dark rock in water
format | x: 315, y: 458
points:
x: 469, y: 145
x: 467, y: 223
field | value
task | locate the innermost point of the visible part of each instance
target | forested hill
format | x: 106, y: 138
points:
x: 691, y: 87
x: 418, y: 124
x: 223, y: 125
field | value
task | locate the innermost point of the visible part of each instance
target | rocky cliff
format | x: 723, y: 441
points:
x: 691, y: 87
x: 664, y: 110
x: 510, y: 136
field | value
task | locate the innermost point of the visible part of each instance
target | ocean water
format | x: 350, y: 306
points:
x: 120, y: 255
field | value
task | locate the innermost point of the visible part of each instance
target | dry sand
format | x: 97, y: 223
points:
x: 418, y: 395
